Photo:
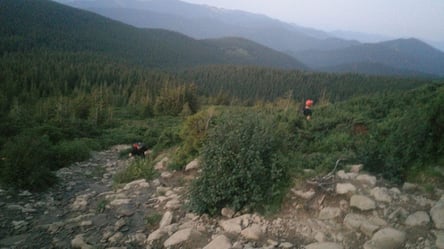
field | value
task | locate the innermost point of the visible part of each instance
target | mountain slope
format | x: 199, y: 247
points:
x: 403, y: 54
x: 27, y: 25
x: 201, y: 21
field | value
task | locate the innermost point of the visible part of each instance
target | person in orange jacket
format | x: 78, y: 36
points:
x: 307, y: 109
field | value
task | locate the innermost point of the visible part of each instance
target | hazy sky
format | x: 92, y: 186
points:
x: 422, y: 19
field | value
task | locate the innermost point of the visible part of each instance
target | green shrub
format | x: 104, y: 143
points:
x: 67, y: 152
x: 139, y: 168
x: 239, y: 165
x: 26, y: 162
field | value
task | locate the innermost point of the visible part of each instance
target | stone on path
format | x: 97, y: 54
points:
x: 437, y: 213
x: 324, y: 245
x: 329, y: 213
x: 180, y: 236
x: 387, y: 238
x: 419, y: 218
x: 192, y: 165
x: 252, y: 233
x: 79, y: 243
x: 220, y: 242
x: 362, y: 202
x: 344, y: 188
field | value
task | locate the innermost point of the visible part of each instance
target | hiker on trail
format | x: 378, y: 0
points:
x: 139, y: 149
x: 307, y: 109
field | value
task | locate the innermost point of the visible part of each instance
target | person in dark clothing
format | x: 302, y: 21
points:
x: 139, y: 149
x: 307, y: 109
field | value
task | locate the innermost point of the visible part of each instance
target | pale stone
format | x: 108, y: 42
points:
x: 407, y: 186
x: 356, y: 168
x: 220, y: 242
x: 362, y: 202
x: 367, y: 180
x: 381, y: 194
x: 173, y: 204
x: 252, y: 233
x: 119, y: 202
x: 234, y: 225
x: 354, y: 221
x: 329, y: 213
x: 180, y: 236
x: 136, y: 184
x: 307, y: 195
x: 324, y: 245
x: 439, y: 239
x: 344, y: 188
x: 387, y: 238
x: 162, y: 163
x: 419, y: 218
x: 167, y: 218
x: 437, y: 213
x: 79, y: 243
x: 227, y: 212
x: 156, y: 235
x: 368, y: 228
x: 192, y: 165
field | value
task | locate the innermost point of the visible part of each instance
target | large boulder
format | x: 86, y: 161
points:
x: 437, y: 213
x: 387, y: 238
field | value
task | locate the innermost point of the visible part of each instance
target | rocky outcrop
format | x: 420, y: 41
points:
x: 86, y: 210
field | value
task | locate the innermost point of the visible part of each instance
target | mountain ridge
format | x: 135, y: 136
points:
x: 317, y: 49
x: 42, y: 24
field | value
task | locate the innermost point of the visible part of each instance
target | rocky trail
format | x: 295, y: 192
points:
x: 349, y: 210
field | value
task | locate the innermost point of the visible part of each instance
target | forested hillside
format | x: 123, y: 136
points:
x: 44, y: 25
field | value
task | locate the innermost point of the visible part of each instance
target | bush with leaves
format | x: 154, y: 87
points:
x: 25, y: 163
x: 239, y: 165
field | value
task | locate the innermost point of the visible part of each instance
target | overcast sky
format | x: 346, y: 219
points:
x: 422, y: 19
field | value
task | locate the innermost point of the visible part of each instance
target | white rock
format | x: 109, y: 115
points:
x: 173, y: 204
x: 362, y: 202
x: 307, y: 195
x: 227, y: 212
x: 367, y: 180
x: 381, y: 194
x: 234, y: 225
x: 156, y: 235
x: 119, y: 202
x: 167, y: 218
x: 192, y: 165
x: 79, y: 243
x: 324, y: 245
x: 344, y: 188
x: 354, y: 221
x: 437, y: 213
x: 329, y: 213
x: 136, y: 184
x: 439, y: 239
x: 419, y: 218
x: 356, y: 168
x: 387, y: 238
x: 220, y: 242
x: 252, y: 233
x: 180, y: 236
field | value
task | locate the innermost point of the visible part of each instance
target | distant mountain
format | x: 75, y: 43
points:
x: 27, y: 25
x: 410, y: 55
x: 360, y: 36
x: 202, y: 22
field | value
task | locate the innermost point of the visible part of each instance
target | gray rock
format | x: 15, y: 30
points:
x: 181, y: 236
x: 220, y: 242
x: 344, y: 188
x: 324, y: 245
x: 439, y: 239
x: 362, y: 202
x: 419, y: 218
x: 437, y: 213
x: 192, y: 165
x: 367, y: 180
x: 167, y: 218
x: 227, y: 212
x: 329, y: 213
x: 381, y: 194
x: 252, y: 233
x: 387, y: 238
x: 79, y: 243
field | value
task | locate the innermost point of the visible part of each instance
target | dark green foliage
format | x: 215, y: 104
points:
x: 239, y: 164
x: 25, y: 163
x: 410, y: 135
